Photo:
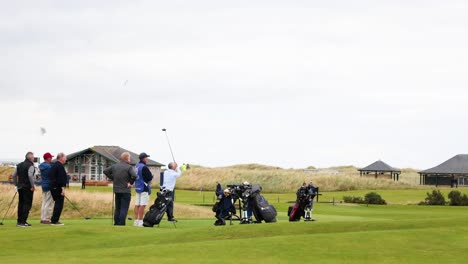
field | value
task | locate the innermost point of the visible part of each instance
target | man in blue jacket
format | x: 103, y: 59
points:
x: 47, y: 200
x: 142, y: 188
x: 58, y: 182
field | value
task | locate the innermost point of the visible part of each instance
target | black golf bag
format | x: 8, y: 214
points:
x: 261, y: 209
x: 304, y: 204
x: 158, y: 209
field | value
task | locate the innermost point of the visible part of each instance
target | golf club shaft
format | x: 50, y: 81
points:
x: 9, y: 206
x: 73, y: 205
x: 170, y: 148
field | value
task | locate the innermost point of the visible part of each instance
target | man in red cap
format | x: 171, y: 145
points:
x: 47, y: 200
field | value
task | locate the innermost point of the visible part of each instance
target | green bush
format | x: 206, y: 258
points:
x: 434, y: 198
x: 457, y: 199
x: 353, y: 199
x: 374, y: 198
x: 370, y: 198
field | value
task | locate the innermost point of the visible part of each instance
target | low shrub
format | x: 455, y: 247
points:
x: 370, y: 198
x: 353, y: 199
x: 374, y: 198
x: 434, y: 198
x: 457, y: 199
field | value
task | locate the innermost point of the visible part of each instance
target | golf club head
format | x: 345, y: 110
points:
x: 87, y: 218
x: 1, y: 223
x: 164, y: 129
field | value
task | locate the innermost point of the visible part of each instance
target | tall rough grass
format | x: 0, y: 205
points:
x: 5, y: 172
x: 94, y: 204
x: 274, y: 179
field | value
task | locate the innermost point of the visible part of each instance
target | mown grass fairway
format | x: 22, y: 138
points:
x: 342, y: 234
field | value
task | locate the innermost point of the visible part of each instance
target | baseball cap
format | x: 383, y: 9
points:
x: 143, y: 155
x: 47, y: 155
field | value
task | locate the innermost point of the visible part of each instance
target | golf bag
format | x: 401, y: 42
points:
x: 158, y: 209
x: 295, y: 212
x: 304, y: 204
x: 261, y: 209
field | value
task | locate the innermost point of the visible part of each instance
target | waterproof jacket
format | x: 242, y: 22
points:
x: 121, y: 173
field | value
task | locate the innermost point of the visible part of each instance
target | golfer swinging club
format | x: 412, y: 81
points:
x: 170, y: 177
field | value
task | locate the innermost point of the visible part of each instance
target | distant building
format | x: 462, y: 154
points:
x: 381, y: 169
x: 452, y: 172
x: 92, y: 162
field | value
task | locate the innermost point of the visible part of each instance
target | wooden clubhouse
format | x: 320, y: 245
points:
x: 452, y: 172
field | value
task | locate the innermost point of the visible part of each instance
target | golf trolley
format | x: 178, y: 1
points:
x: 241, y: 193
x: 303, y: 206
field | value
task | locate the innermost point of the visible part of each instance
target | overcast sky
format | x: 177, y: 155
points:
x: 287, y: 83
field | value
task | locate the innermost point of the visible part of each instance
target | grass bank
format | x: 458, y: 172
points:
x: 275, y: 179
x: 342, y: 234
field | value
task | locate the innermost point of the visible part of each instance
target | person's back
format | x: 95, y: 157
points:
x: 23, y: 171
x: 120, y: 173
x: 226, y: 205
x: 170, y: 177
x: 57, y: 176
x: 45, y: 170
x: 123, y: 175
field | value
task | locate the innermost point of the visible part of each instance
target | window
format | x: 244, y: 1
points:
x: 93, y: 173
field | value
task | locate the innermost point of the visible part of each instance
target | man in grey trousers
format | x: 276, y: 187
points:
x: 123, y: 175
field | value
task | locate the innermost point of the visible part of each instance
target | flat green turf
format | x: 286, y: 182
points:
x: 341, y: 234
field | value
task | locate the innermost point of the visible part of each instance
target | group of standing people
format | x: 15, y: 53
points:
x: 125, y: 176
x: 54, y: 181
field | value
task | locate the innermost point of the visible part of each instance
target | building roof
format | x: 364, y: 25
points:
x: 380, y: 166
x: 113, y: 153
x: 455, y: 165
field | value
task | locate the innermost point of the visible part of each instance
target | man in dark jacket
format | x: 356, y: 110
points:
x: 83, y: 181
x: 58, y: 182
x: 225, y: 208
x: 124, y: 176
x: 142, y: 188
x: 23, y: 177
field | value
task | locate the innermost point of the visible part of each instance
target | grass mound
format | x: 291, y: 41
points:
x: 275, y: 179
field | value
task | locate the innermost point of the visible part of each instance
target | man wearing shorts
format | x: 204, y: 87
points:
x: 142, y: 188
